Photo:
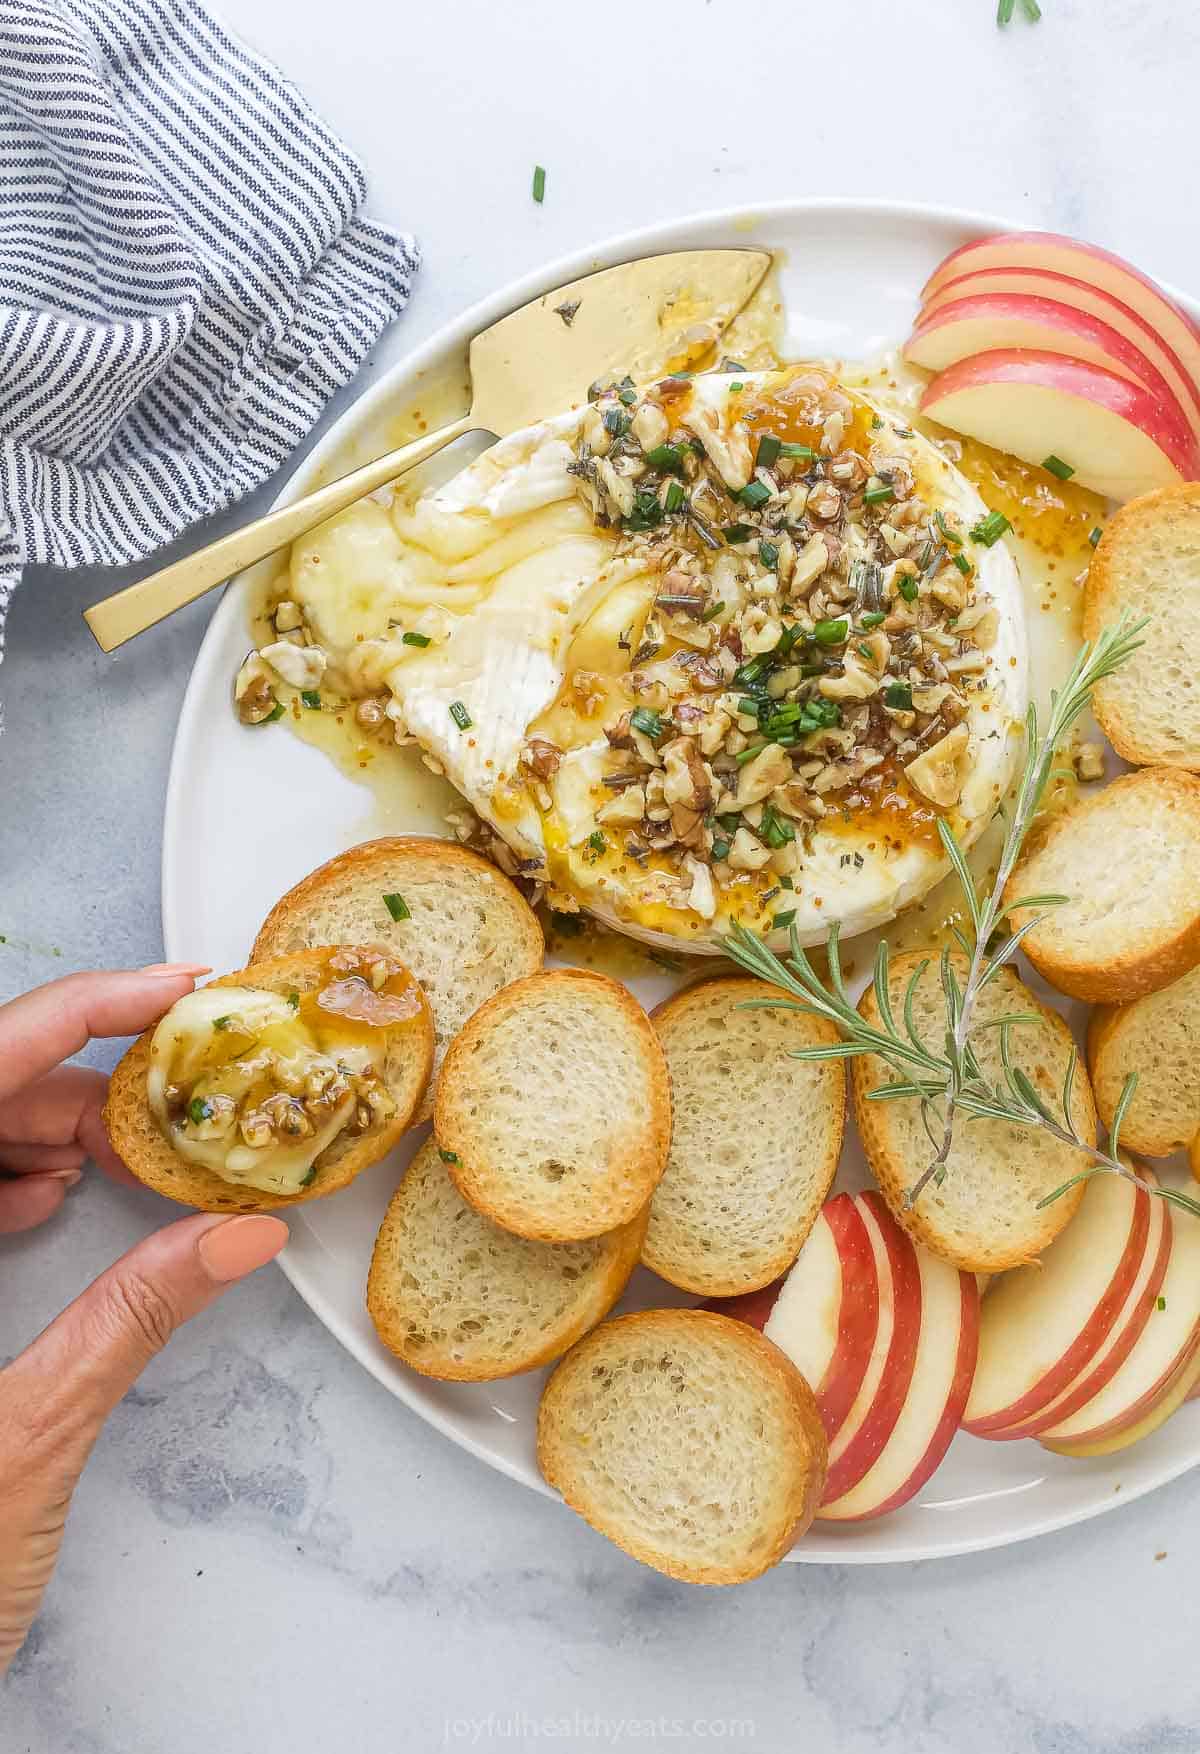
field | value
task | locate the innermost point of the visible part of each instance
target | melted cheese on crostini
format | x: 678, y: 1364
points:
x: 255, y: 1085
x: 556, y: 623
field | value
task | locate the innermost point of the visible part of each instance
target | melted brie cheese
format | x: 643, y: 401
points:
x: 520, y: 592
x: 213, y: 1044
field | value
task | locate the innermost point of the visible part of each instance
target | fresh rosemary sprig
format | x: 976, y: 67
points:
x: 949, y: 1080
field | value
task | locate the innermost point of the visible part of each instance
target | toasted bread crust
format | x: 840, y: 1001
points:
x: 1155, y: 1038
x: 135, y: 1136
x: 991, y: 1253
x: 479, y: 1174
x: 1108, y: 977
x: 379, y: 866
x: 720, y: 1269
x: 757, y: 1357
x: 388, y: 1301
x: 1126, y: 575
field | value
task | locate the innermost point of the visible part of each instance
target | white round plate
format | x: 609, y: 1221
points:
x: 248, y: 814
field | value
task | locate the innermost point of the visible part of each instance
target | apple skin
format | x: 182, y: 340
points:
x: 880, y: 1492
x: 1130, y: 1326
x: 991, y: 322
x: 1153, y: 1365
x: 1063, y: 289
x: 1185, y: 1386
x: 880, y: 1400
x: 1010, y: 1420
x: 1056, y: 254
x: 1117, y: 437
x: 857, y: 1294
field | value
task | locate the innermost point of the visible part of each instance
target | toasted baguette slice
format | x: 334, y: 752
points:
x: 468, y: 933
x: 755, y: 1141
x: 688, y: 1439
x: 138, y: 1141
x: 555, y: 1105
x: 1157, y: 1037
x: 1128, y: 858
x: 984, y: 1215
x: 458, y: 1298
x: 1149, y: 565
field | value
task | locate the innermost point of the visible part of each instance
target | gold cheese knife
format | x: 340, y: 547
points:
x: 533, y: 363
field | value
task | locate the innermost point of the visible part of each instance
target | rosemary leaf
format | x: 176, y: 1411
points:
x: 1119, y: 1113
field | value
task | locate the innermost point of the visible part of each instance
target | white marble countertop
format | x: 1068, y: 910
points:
x: 270, y: 1554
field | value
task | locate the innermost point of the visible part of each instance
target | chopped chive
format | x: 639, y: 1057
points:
x: 448, y: 1156
x: 1094, y: 536
x: 736, y: 533
x: 775, y: 830
x: 665, y: 457
x: 199, y: 1110
x: 755, y: 493
x: 615, y: 422
x: 737, y: 386
x: 963, y: 564
x: 949, y: 535
x: 460, y: 715
x: 712, y: 613
x: 804, y: 453
x: 831, y: 633
x: 873, y: 617
x: 752, y: 671
x: 646, y: 513
x: 673, y: 498
x: 222, y: 1022
x: 899, y: 696
x: 294, y: 1000
x: 768, y: 554
x: 1004, y: 11
x: 730, y: 822
x: 643, y: 719
x: 907, y: 587
x: 276, y: 712
x: 720, y: 849
x: 627, y: 397
x: 749, y: 707
x: 783, y: 919
x: 414, y: 639
x: 596, y: 841
x: 1162, y: 1303
x: 768, y: 451
x: 397, y: 906
x: 1033, y: 11
x: 864, y: 651
x: 539, y: 182
x: 311, y: 698
x: 1056, y: 466
x: 749, y: 754
x: 878, y: 495
x: 786, y: 883
x: 990, y: 529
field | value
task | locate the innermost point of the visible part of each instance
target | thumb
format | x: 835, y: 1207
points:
x: 77, y: 1370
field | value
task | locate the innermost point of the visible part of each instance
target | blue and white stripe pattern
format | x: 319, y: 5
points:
x: 185, y: 277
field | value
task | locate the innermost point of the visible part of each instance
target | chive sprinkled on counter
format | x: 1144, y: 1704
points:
x: 460, y: 715
x: 397, y: 906
x: 539, y: 182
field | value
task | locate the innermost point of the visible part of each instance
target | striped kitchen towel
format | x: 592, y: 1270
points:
x: 185, y: 275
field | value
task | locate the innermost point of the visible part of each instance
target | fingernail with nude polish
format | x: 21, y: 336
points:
x: 231, y: 1250
x: 175, y: 970
x: 68, y: 1177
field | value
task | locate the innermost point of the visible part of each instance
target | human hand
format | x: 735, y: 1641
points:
x: 56, y: 1395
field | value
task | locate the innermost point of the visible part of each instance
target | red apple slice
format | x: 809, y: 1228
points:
x: 880, y: 1400
x: 1164, y: 1346
x: 1184, y: 1387
x: 1053, y: 254
x: 1078, y: 295
x: 1116, y: 437
x: 937, y: 1394
x: 827, y: 1313
x: 988, y: 322
x: 1123, y: 1335
x: 824, y: 1312
x: 1043, y: 1323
